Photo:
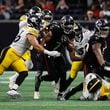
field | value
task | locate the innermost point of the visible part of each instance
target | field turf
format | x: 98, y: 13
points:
x: 48, y: 97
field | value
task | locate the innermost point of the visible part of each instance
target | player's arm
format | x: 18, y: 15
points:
x: 46, y: 36
x: 97, y: 51
x: 33, y: 41
x: 71, y: 50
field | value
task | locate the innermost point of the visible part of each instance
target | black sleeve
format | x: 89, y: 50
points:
x: 95, y: 39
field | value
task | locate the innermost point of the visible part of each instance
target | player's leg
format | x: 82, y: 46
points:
x: 27, y: 58
x: 22, y: 69
x: 70, y: 92
x: 37, y: 84
x: 75, y: 68
x: 40, y: 68
x: 13, y: 78
x: 60, y: 66
x: 55, y: 84
x: 5, y: 59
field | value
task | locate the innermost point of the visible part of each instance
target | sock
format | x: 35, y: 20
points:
x: 21, y: 77
x: 74, y: 90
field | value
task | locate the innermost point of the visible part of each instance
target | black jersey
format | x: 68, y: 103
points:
x: 56, y: 42
x: 90, y: 57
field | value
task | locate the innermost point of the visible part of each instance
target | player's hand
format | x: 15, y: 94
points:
x: 55, y: 54
x: 52, y: 53
x: 106, y: 66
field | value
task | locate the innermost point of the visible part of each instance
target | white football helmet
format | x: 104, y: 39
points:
x: 93, y: 83
x: 89, y: 77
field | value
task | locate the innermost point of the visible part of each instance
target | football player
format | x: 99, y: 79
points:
x: 95, y: 88
x: 82, y: 37
x: 34, y: 10
x: 47, y: 15
x: 27, y: 55
x: 61, y: 35
x: 12, y: 55
x: 27, y: 58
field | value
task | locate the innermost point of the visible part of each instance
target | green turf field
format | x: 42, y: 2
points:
x: 48, y: 98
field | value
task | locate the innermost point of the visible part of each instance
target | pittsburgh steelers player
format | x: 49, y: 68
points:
x: 95, y: 88
x: 27, y: 55
x: 82, y: 36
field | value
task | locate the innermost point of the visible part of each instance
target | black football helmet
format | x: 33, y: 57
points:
x: 35, y: 10
x: 78, y: 31
x: 47, y: 15
x: 93, y: 82
x: 102, y: 27
x: 67, y: 24
x: 35, y: 21
x: 94, y: 85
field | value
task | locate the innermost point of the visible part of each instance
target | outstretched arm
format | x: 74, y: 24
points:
x: 97, y: 51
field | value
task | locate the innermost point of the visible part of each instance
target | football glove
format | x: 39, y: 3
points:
x: 52, y: 53
x: 106, y: 66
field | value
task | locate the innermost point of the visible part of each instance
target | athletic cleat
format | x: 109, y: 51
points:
x: 68, y: 93
x: 36, y: 95
x: 60, y: 97
x: 13, y: 94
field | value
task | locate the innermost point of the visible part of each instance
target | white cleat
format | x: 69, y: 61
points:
x: 13, y: 94
x: 36, y: 95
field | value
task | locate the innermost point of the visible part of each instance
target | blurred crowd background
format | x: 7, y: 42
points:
x: 88, y: 10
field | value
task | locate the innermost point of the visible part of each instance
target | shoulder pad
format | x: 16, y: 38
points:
x: 23, y: 17
x: 33, y: 32
x: 54, y: 25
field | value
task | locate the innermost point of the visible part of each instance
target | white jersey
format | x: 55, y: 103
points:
x: 21, y: 43
x: 82, y: 45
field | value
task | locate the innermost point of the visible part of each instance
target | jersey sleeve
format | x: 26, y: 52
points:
x: 33, y: 32
x: 22, y: 18
x: 95, y: 39
x: 22, y: 21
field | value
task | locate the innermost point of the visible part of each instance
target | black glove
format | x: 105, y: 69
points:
x: 106, y: 66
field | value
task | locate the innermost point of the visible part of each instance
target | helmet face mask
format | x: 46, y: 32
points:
x: 67, y: 24
x: 47, y: 16
x: 68, y: 29
x: 102, y: 28
x: 78, y: 32
x: 35, y: 22
x: 104, y: 33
